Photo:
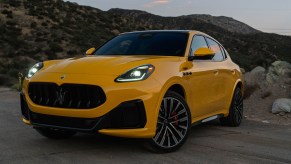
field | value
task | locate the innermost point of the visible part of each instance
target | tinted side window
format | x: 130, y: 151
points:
x: 225, y: 52
x: 197, y: 42
x: 216, y: 48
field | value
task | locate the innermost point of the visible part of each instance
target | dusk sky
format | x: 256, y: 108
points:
x: 265, y: 15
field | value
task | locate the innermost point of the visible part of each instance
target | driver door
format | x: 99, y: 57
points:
x: 202, y: 81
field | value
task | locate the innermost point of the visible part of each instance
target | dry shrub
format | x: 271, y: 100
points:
x: 249, y: 90
x: 266, y: 94
x: 5, y: 80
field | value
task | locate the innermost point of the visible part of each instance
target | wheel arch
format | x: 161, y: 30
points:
x: 178, y: 88
x: 175, y: 85
x: 228, y: 118
x: 239, y: 83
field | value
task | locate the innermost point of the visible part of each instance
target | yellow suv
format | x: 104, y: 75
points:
x: 147, y: 84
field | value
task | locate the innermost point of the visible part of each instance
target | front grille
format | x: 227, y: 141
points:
x: 63, y: 122
x: 77, y: 96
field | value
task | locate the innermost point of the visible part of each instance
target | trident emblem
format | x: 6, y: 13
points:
x: 61, y: 96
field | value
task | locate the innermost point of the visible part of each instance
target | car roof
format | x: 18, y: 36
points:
x: 174, y: 31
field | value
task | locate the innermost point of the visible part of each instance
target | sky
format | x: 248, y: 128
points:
x: 265, y: 15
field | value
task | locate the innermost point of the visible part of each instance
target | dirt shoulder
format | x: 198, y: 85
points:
x: 258, y: 107
x: 262, y: 88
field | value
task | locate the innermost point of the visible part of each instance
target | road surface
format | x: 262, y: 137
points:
x: 252, y: 142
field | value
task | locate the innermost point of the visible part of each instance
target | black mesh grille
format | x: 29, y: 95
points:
x: 77, y: 96
x: 130, y: 114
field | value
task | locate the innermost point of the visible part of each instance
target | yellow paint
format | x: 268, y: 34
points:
x: 90, y: 51
x: 26, y: 121
x: 208, y: 91
x: 203, y: 52
x: 129, y: 133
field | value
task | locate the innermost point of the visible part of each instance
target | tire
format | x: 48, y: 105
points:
x: 235, y: 111
x: 173, y: 126
x: 55, y: 133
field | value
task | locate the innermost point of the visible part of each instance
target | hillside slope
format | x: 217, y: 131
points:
x: 227, y: 23
x: 33, y: 30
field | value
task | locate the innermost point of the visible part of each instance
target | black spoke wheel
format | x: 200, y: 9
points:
x: 174, y: 124
x: 236, y: 110
x: 55, y: 133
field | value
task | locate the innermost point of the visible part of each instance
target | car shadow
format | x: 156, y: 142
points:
x: 98, y: 142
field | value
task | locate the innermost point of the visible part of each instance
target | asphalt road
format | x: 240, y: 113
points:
x: 252, y: 142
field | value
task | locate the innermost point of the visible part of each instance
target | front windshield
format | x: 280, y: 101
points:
x: 146, y: 43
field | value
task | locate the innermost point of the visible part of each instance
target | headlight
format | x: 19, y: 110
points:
x: 136, y: 74
x: 34, y: 69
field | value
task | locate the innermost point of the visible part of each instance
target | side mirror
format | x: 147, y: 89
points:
x: 90, y: 51
x: 202, y: 54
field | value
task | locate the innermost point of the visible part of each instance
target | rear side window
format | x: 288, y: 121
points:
x: 216, y: 48
x: 224, y: 52
x: 197, y: 42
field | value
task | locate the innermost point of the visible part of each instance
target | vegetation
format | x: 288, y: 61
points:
x: 266, y: 94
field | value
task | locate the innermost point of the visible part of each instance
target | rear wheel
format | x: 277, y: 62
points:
x: 236, y: 110
x: 174, y: 124
x: 55, y: 133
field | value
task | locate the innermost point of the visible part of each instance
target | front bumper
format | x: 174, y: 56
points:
x: 127, y: 115
x: 130, y: 109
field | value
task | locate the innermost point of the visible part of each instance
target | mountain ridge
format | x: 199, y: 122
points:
x: 33, y: 30
x: 227, y: 23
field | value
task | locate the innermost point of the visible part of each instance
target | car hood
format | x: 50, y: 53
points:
x: 102, y: 65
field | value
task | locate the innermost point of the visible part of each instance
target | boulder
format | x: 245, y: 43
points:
x: 281, y: 105
x: 277, y: 69
x: 256, y: 76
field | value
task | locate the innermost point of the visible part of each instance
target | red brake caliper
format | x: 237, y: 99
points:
x: 175, y: 118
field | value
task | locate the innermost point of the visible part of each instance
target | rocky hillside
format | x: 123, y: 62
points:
x: 227, y: 23
x: 33, y: 30
x: 268, y: 94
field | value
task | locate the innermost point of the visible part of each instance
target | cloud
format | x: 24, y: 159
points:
x: 156, y: 3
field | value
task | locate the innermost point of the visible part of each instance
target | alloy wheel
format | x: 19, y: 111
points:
x: 238, y: 107
x: 173, y: 122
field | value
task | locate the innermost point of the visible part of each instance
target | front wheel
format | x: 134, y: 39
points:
x: 235, y: 111
x: 55, y: 133
x: 173, y: 126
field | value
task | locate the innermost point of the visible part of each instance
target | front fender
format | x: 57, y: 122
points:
x: 177, y: 80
